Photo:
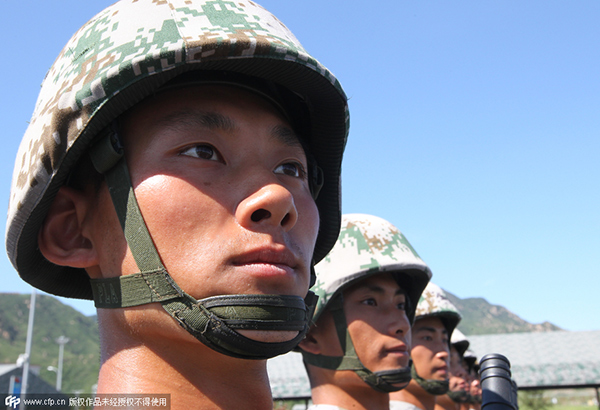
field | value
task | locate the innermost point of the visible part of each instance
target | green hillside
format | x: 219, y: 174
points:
x: 482, y: 318
x: 52, y: 319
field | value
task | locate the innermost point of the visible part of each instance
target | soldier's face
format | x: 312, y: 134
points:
x: 458, y: 375
x: 221, y: 182
x: 377, y: 322
x: 475, y: 386
x: 430, y: 351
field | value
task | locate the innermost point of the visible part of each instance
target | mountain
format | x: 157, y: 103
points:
x: 81, y: 354
x: 81, y: 360
x: 482, y: 318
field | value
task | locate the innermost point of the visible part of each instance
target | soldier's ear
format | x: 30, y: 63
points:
x: 310, y: 344
x: 61, y: 238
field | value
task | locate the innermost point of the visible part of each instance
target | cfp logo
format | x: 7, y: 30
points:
x: 12, y: 401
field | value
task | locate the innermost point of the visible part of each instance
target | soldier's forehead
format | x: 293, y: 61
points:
x: 374, y: 282
x: 428, y: 322
x: 199, y: 106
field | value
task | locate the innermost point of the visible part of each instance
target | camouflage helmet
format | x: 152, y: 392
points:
x: 460, y: 342
x: 368, y: 245
x: 123, y: 55
x: 435, y: 303
x: 471, y: 359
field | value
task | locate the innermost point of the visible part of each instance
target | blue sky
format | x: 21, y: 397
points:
x: 474, y: 128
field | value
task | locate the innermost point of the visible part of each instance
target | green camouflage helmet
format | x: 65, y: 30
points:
x: 435, y: 303
x: 368, y: 245
x: 124, y: 54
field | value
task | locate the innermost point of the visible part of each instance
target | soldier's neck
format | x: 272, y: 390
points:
x: 138, y: 360
x: 415, y: 395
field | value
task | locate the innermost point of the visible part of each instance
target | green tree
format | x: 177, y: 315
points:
x: 533, y: 400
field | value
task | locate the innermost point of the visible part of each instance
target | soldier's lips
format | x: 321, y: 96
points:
x: 441, y: 370
x: 267, y: 261
x: 400, y: 350
x: 265, y: 269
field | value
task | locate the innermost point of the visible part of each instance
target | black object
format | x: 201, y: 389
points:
x: 499, y: 390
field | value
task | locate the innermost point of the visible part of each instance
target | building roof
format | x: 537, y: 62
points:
x: 35, y: 384
x: 538, y: 360
x: 288, y: 378
x: 546, y: 359
x: 5, y: 368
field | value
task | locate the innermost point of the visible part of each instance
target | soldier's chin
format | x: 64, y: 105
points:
x: 269, y: 336
x: 402, y: 385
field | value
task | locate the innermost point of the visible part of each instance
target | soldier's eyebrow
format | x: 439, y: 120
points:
x: 373, y: 288
x: 286, y: 136
x: 376, y: 288
x: 179, y: 120
x: 211, y: 120
x: 427, y: 329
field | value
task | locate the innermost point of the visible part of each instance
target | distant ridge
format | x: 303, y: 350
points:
x: 482, y: 318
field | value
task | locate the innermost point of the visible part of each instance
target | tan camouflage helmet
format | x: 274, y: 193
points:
x: 471, y: 359
x: 460, y: 342
x: 435, y: 303
x: 124, y: 54
x: 368, y: 245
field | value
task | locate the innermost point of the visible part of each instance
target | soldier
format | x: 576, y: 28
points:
x: 458, y: 387
x: 181, y: 169
x: 357, y: 351
x: 474, y: 402
x: 436, y: 318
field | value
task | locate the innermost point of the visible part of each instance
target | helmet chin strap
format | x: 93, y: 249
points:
x: 385, y: 381
x: 433, y: 387
x: 213, y: 320
x: 458, y: 396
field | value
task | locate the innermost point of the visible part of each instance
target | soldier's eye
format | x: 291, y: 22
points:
x: 369, y: 302
x: 293, y: 169
x: 203, y: 151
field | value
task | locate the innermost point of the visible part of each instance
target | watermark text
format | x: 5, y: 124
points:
x: 89, y: 401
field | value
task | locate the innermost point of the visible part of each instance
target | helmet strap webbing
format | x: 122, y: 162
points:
x: 211, y: 320
x: 433, y: 387
x: 458, y: 396
x: 385, y: 381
